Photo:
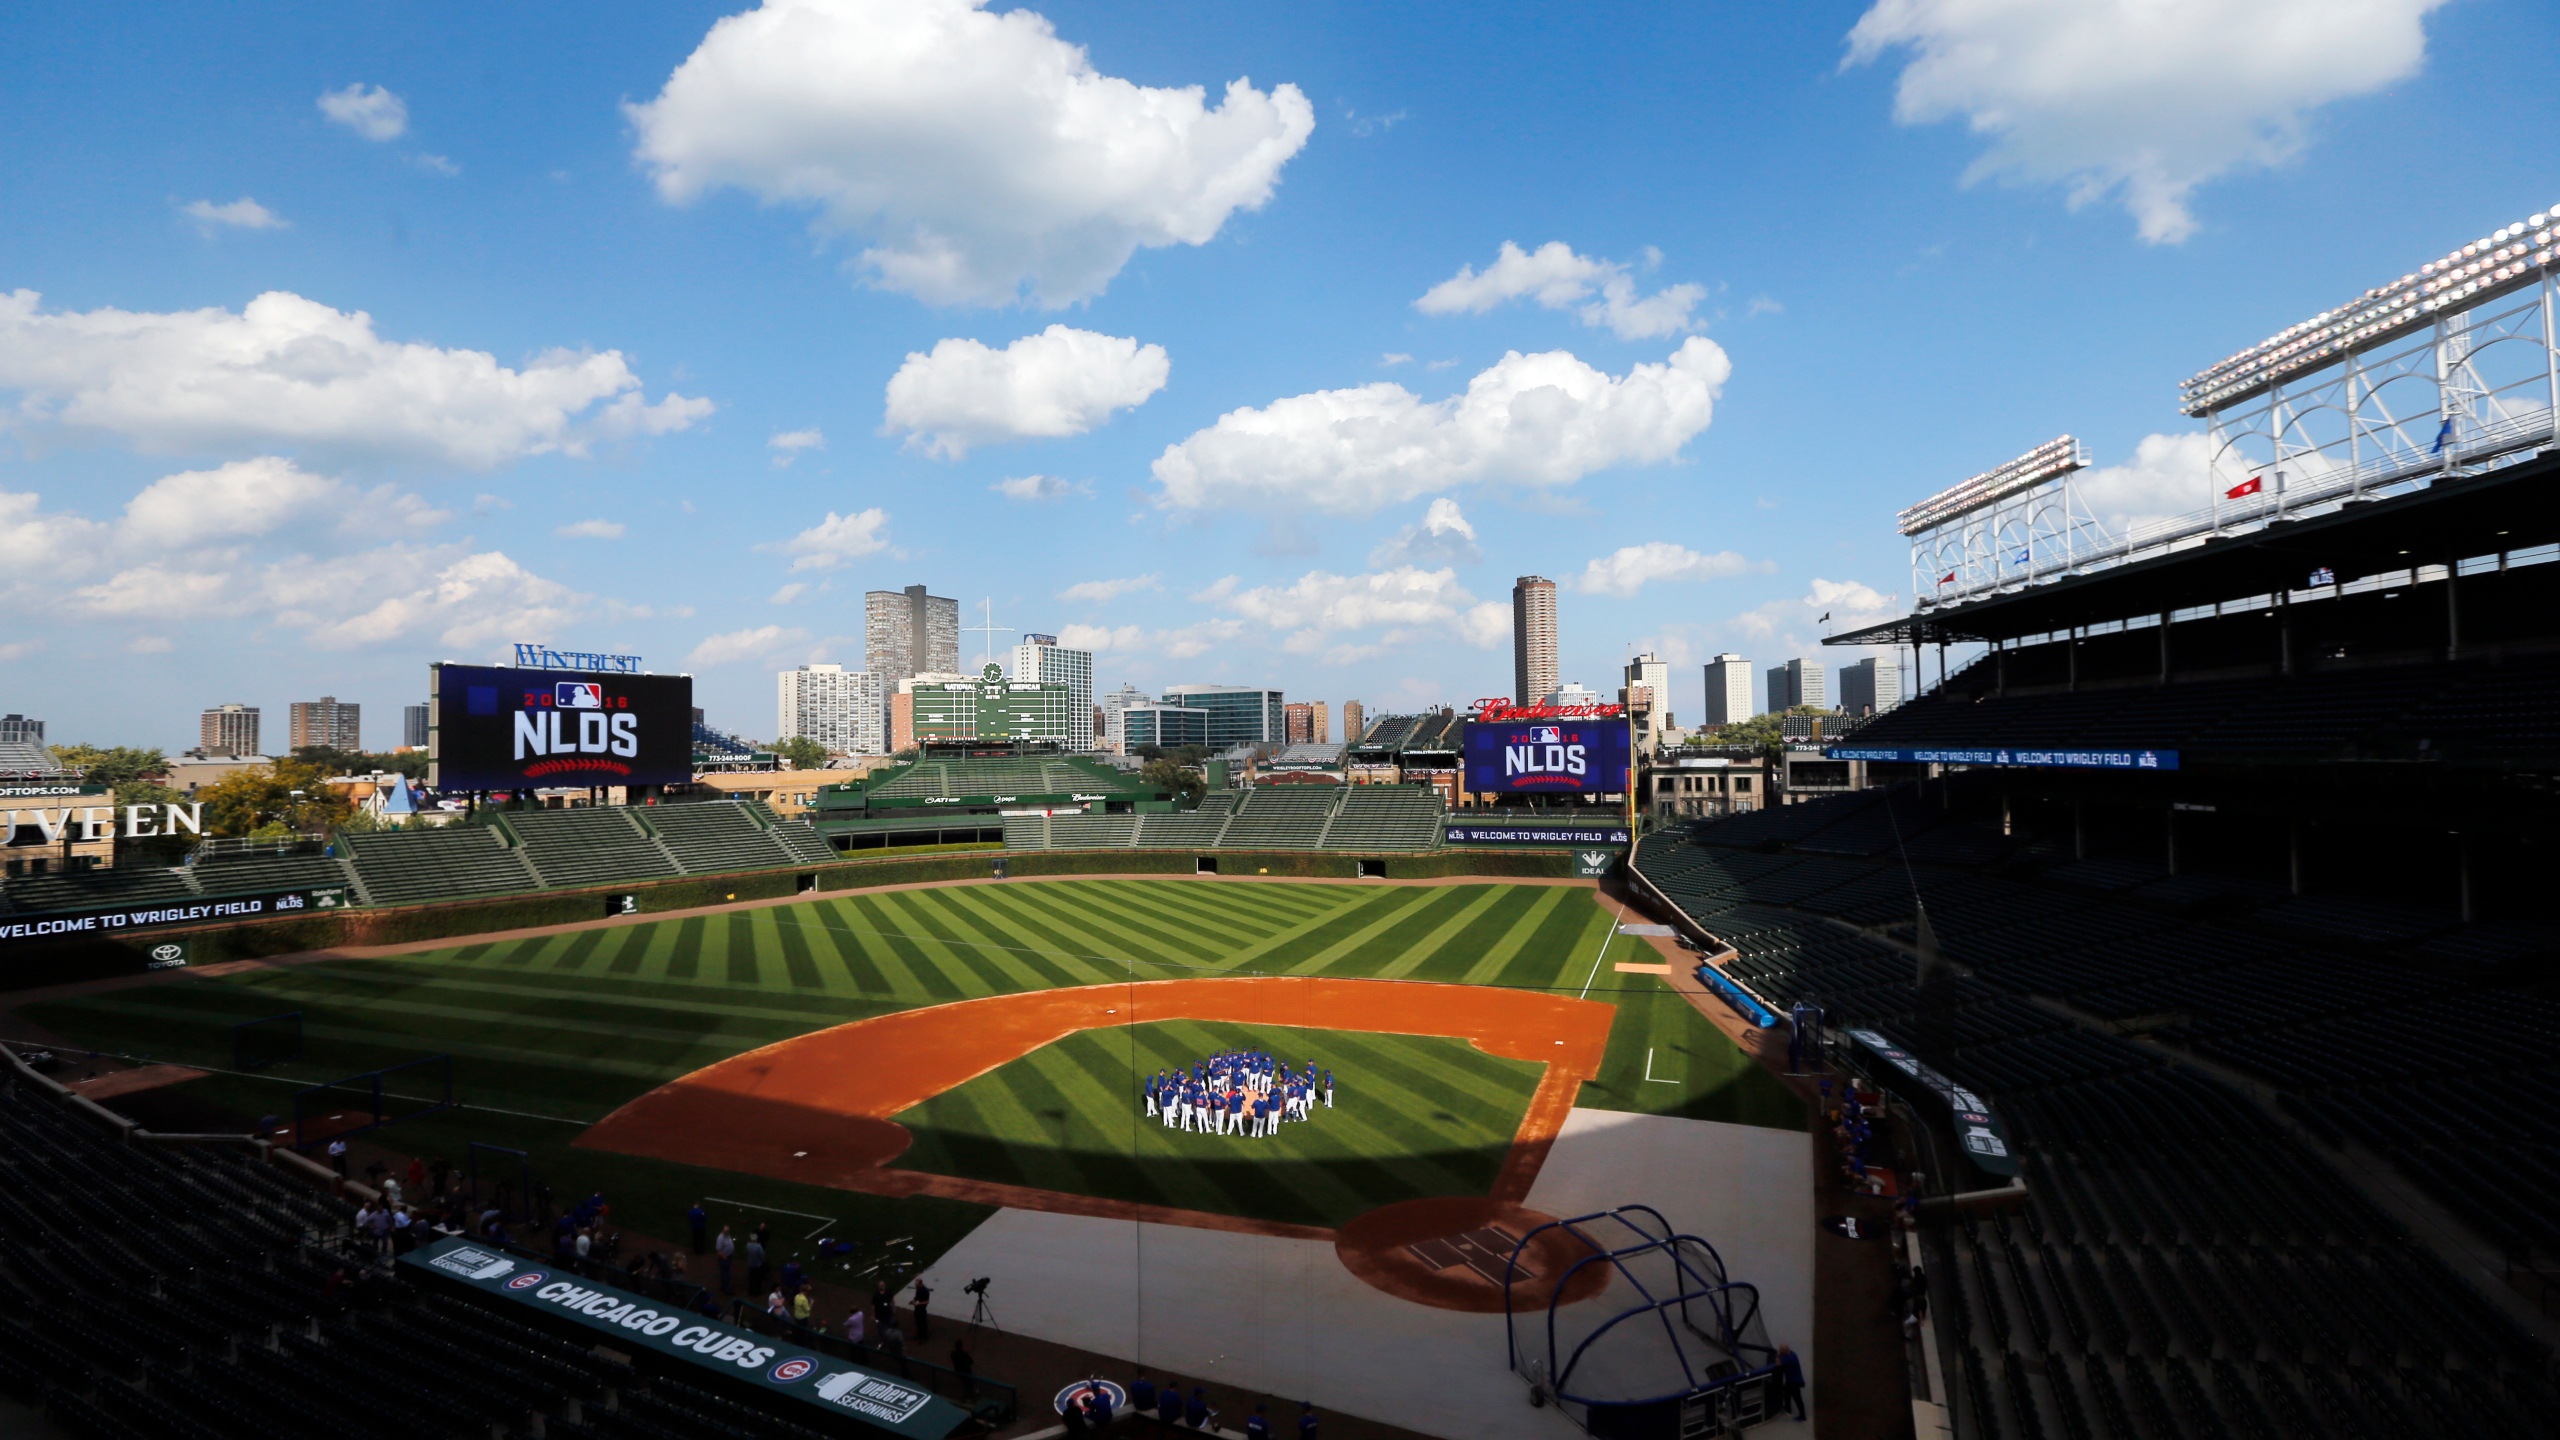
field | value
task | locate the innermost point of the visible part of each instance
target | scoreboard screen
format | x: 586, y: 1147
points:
x: 1547, y: 757
x: 497, y: 728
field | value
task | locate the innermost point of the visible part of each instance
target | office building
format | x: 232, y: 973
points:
x: 1238, y: 714
x: 18, y: 729
x: 1355, y: 721
x: 1728, y: 690
x: 1109, y: 711
x: 1870, y: 687
x: 1307, y: 721
x: 1533, y: 638
x: 906, y: 633
x: 1574, y: 694
x: 1041, y: 660
x: 1797, y: 683
x: 1149, y: 724
x: 228, y: 730
x: 413, y: 726
x: 838, y: 708
x: 1647, y: 696
x: 326, y: 722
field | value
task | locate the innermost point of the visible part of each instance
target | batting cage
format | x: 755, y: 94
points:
x: 372, y: 1100
x: 274, y: 1040
x: 1690, y: 1357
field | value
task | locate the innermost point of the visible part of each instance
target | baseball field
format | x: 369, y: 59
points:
x: 885, y: 1066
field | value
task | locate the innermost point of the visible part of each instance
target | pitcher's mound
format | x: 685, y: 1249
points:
x: 1454, y: 1252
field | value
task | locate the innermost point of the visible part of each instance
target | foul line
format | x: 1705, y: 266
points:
x: 1648, y: 1069
x: 1603, y: 955
x: 778, y: 1210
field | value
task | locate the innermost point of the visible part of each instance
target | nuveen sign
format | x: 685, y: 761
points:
x: 634, y: 1322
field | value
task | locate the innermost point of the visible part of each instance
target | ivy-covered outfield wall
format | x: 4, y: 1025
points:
x: 27, y: 965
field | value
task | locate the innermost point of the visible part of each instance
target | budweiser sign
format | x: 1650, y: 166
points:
x: 1498, y: 709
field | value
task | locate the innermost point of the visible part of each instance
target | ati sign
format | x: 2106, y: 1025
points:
x: 99, y: 822
x: 1547, y: 757
x: 635, y: 1322
x: 506, y: 729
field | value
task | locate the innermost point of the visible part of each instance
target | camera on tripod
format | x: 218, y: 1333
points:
x: 977, y: 1287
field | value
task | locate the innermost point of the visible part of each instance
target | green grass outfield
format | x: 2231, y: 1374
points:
x: 1414, y: 1115
x: 551, y: 1033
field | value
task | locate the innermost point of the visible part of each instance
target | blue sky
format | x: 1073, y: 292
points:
x: 605, y: 328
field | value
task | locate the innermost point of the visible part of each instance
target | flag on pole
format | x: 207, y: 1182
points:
x: 1947, y: 579
x: 2250, y: 486
x: 2444, y: 434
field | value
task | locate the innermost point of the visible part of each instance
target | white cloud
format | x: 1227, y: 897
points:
x: 1058, y: 382
x: 1798, y: 624
x: 1319, y: 612
x: 2138, y: 100
x: 20, y: 649
x: 739, y: 645
x: 1393, y: 358
x: 1101, y: 592
x: 2168, y: 476
x: 241, y: 214
x: 1040, y: 487
x: 438, y: 163
x: 837, y: 539
x: 591, y: 530
x: 1101, y: 638
x: 460, y: 599
x: 1443, y: 538
x: 286, y: 371
x: 368, y: 110
x: 983, y: 156
x: 150, y: 645
x: 788, y: 593
x: 788, y: 445
x: 246, y: 497
x: 1558, y: 279
x: 1630, y: 568
x: 1531, y: 420
x: 486, y: 504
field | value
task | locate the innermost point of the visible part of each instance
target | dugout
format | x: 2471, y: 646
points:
x: 1690, y: 1358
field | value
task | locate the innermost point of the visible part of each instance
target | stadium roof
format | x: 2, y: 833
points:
x: 2514, y: 508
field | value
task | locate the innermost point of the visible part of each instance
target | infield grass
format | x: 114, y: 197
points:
x: 552, y: 1032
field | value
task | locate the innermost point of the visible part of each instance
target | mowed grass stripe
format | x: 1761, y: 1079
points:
x: 1547, y: 954
x: 1016, y: 919
x: 683, y: 959
x: 1381, y: 916
x: 1109, y: 942
x: 1191, y: 926
x: 900, y: 960
x: 645, y: 1002
x: 1422, y: 930
x: 1507, y: 920
x: 1006, y: 968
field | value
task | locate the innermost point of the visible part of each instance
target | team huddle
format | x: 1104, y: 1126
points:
x: 1238, y: 1092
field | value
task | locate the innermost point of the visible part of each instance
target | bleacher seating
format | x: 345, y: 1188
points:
x: 802, y: 842
x: 592, y: 845
x: 1190, y: 830
x: 1359, y: 818
x: 400, y: 867
x: 96, y: 889
x: 1281, y: 817
x: 1385, y: 817
x: 713, y: 836
x: 243, y: 874
x: 1089, y: 832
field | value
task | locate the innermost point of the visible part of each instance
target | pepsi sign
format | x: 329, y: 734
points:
x: 498, y: 728
x: 1547, y: 757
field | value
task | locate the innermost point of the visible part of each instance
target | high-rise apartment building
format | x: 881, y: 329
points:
x: 1798, y: 682
x: 21, y: 730
x: 1238, y: 714
x: 413, y: 726
x: 1647, y: 696
x: 1041, y: 660
x: 326, y: 722
x: 839, y: 708
x: 1533, y: 639
x: 1355, y: 721
x: 229, y: 730
x: 1302, y: 721
x: 1113, y: 704
x: 1728, y: 690
x: 1870, y: 687
x: 907, y: 632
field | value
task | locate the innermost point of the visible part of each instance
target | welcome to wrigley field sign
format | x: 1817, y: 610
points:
x: 632, y: 1322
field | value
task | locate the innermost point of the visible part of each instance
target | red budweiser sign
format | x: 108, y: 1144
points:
x: 1499, y: 708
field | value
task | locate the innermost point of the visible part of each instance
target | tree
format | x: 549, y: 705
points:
x: 1182, y: 780
x: 112, y: 766
x: 802, y: 753
x: 255, y: 802
x: 334, y: 761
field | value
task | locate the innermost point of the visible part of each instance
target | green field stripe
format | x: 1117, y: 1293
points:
x: 683, y: 956
x: 1001, y: 970
x: 941, y: 973
x: 1201, y: 913
x: 1312, y: 921
x: 589, y: 998
x: 1559, y: 955
x: 1416, y: 934
x: 826, y: 951
x: 1453, y: 957
x: 793, y: 942
x: 1385, y: 914
x: 1286, y: 947
x: 573, y: 956
x: 411, y: 1044
x: 1104, y: 941
x: 1480, y: 900
x: 837, y: 920
x: 898, y: 970
x: 1482, y: 1089
x: 998, y: 917
x: 1497, y: 958
x: 745, y: 957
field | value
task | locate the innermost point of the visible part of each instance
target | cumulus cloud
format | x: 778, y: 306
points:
x: 1443, y: 538
x: 1558, y: 279
x: 246, y: 497
x: 459, y: 598
x: 1535, y: 421
x: 1100, y: 638
x: 1314, y: 614
x: 983, y: 157
x: 1040, y: 487
x: 838, y: 539
x: 1630, y: 568
x: 368, y: 110
x: 1182, y: 642
x: 591, y: 530
x: 1099, y: 592
x: 1058, y: 382
x: 1798, y: 622
x: 2169, y: 475
x: 241, y: 214
x: 738, y: 645
x: 2140, y: 101
x: 285, y: 371
x: 788, y: 445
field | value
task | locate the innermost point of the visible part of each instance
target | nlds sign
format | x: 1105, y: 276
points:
x: 1581, y: 757
x: 494, y: 728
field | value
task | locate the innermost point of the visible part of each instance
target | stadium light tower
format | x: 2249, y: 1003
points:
x: 2002, y: 527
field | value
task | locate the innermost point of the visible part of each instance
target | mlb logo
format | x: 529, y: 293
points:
x: 577, y: 695
x: 1546, y: 734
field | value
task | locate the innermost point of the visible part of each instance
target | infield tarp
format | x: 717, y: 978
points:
x: 633, y: 1322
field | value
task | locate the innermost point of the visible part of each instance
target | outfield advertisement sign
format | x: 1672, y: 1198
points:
x: 1469, y: 833
x: 227, y: 909
x: 1547, y: 757
x: 2026, y: 759
x: 497, y: 728
x: 636, y: 1322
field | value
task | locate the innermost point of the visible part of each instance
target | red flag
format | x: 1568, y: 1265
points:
x: 2250, y: 486
x: 1947, y: 579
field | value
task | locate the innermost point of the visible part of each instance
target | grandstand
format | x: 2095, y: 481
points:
x: 1363, y: 818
